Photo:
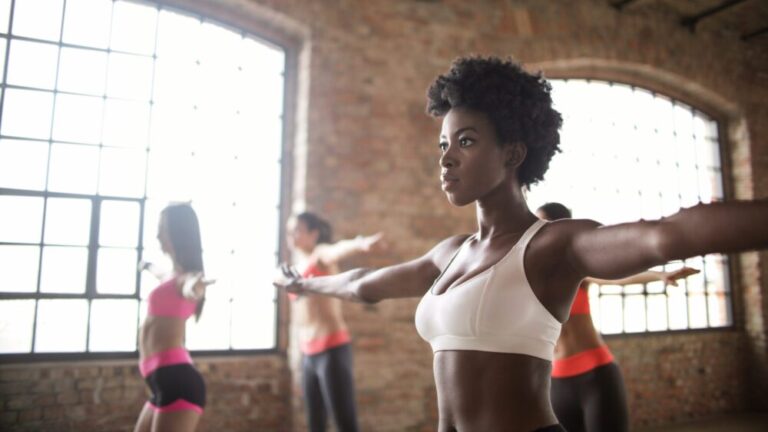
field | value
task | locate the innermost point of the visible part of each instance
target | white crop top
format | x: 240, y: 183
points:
x: 494, y: 311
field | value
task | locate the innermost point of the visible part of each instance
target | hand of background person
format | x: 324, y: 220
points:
x: 671, y: 277
x: 372, y: 243
x: 193, y: 285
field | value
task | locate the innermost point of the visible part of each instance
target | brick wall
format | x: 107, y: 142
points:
x: 370, y: 158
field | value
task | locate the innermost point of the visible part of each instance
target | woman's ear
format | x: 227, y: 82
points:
x: 515, y: 155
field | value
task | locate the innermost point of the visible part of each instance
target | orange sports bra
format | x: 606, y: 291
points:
x: 580, y: 304
x: 495, y: 311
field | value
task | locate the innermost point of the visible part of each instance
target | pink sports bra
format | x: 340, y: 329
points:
x: 166, y: 300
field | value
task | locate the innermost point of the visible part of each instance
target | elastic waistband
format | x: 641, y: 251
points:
x: 177, y: 405
x: 178, y: 355
x: 318, y: 345
x: 582, y: 362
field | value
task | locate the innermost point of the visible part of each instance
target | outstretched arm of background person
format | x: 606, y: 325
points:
x: 333, y: 253
x: 153, y: 269
x: 193, y: 285
x: 409, y: 279
x: 668, y: 277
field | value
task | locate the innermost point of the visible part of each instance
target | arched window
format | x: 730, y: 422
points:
x: 109, y: 111
x: 630, y: 154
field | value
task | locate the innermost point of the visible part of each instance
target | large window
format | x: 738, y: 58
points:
x: 111, y: 110
x: 630, y: 154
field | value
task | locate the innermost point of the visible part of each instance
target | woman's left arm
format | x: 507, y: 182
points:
x: 617, y: 251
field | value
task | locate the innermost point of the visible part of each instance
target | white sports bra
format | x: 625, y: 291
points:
x: 494, y: 311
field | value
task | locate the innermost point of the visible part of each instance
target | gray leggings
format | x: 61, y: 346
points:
x: 328, y: 386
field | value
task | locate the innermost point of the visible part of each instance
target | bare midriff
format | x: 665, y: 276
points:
x: 159, y: 333
x: 485, y: 391
x: 577, y: 335
x: 316, y: 317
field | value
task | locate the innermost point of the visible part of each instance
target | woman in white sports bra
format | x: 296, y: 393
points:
x: 493, y: 301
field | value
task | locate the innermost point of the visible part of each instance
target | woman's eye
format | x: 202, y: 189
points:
x: 442, y: 146
x: 463, y: 142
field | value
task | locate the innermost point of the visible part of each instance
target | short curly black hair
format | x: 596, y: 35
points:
x: 517, y: 103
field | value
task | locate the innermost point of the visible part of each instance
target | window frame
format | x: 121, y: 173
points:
x: 721, y: 121
x: 258, y: 29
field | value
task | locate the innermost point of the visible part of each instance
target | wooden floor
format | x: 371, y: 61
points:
x: 749, y: 422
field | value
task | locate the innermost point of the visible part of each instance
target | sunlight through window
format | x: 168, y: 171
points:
x: 110, y: 111
x: 630, y: 154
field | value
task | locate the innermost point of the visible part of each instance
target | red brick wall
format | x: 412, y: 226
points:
x: 371, y: 164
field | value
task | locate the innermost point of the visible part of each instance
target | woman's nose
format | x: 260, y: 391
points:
x: 447, y: 160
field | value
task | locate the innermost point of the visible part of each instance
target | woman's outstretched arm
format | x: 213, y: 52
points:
x: 612, y: 252
x: 409, y: 279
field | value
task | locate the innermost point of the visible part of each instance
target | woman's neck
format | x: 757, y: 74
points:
x: 503, y: 212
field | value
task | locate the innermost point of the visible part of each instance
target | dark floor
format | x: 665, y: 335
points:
x: 748, y: 422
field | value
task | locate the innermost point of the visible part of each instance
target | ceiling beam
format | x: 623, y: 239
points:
x: 622, y: 4
x: 692, y: 21
x: 754, y: 34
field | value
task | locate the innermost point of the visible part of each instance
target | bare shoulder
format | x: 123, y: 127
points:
x: 549, y: 247
x: 443, y: 251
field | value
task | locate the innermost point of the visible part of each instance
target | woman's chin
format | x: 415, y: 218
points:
x: 457, y: 201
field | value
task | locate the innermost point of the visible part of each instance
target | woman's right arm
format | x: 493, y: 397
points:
x: 409, y: 279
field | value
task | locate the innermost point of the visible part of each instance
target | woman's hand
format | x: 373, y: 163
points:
x: 671, y: 277
x: 371, y: 243
x: 193, y: 285
x: 288, y: 279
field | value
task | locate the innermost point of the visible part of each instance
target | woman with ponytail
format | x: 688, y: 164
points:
x: 177, y: 388
x: 323, y: 336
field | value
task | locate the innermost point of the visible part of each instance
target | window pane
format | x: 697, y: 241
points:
x: 21, y: 219
x: 130, y: 77
x: 27, y: 113
x: 133, y: 27
x: 23, y: 164
x: 213, y: 330
x: 5, y: 15
x: 39, y: 19
x: 19, y: 265
x: 119, y: 223
x: 68, y: 221
x: 122, y: 172
x: 253, y: 323
x: 64, y: 269
x: 634, y: 313
x: 719, y: 309
x: 126, y: 123
x: 697, y: 309
x: 61, y: 325
x: 610, y: 314
x: 87, y: 22
x: 657, y: 312
x: 82, y: 71
x: 16, y: 318
x: 32, y: 64
x: 152, y: 209
x: 177, y: 187
x: 678, y: 308
x: 73, y: 168
x: 78, y: 119
x: 178, y: 36
x: 3, y: 47
x: 113, y: 325
x: 116, y: 271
